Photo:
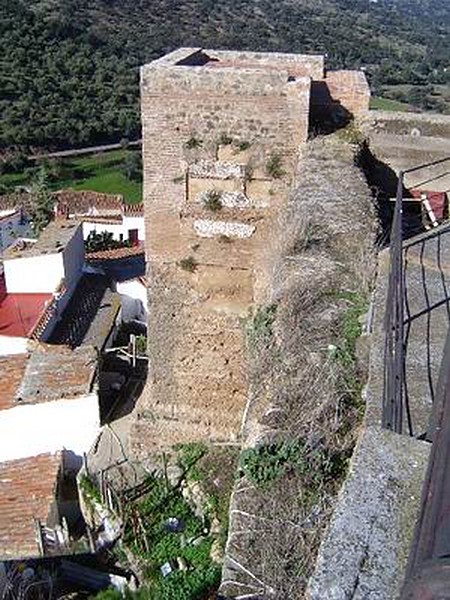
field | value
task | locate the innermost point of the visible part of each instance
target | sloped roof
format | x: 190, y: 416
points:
x: 12, y: 370
x: 20, y: 312
x: 52, y: 240
x: 27, y: 492
x: 90, y: 315
x: 115, y: 253
x: 57, y: 372
x: 85, y: 202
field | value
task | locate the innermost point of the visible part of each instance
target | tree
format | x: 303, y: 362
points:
x: 96, y: 242
x: 133, y: 166
x: 41, y: 210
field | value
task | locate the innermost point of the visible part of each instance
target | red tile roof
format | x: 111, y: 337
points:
x: 27, y: 492
x: 55, y: 372
x: 115, y: 254
x: 82, y: 202
x: 12, y: 369
x: 19, y: 312
x: 133, y: 210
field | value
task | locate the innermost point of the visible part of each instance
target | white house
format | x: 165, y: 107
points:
x: 49, y: 402
x: 102, y: 212
x: 38, y: 280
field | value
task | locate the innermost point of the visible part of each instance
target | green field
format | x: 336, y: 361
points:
x: 99, y: 172
x: 377, y: 103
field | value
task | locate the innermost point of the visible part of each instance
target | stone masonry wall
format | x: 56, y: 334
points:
x: 350, y: 89
x: 208, y: 268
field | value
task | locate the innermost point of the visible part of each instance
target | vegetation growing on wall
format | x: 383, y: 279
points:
x: 188, y: 264
x: 274, y: 166
x: 212, y: 200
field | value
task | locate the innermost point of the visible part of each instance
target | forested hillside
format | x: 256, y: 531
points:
x: 69, y: 68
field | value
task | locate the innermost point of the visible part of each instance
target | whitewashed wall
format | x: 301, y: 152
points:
x: 117, y: 229
x: 134, y: 300
x: 12, y: 345
x: 34, y: 274
x: 73, y: 258
x: 33, y: 429
x: 134, y: 223
x: 42, y: 274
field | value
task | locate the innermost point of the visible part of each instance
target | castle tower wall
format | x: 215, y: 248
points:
x: 220, y: 146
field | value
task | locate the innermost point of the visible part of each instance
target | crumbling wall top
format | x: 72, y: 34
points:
x: 296, y: 65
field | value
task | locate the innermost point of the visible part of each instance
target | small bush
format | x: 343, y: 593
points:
x: 225, y: 140
x: 103, y: 240
x: 132, y: 165
x: 194, y: 142
x: 260, y: 327
x: 274, y: 166
x: 351, y: 134
x: 188, y: 264
x: 266, y: 463
x: 178, y: 179
x: 212, y: 201
x: 243, y: 146
x: 189, y: 455
x: 89, y: 489
x: 141, y: 345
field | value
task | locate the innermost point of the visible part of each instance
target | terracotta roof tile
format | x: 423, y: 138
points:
x: 12, y: 369
x: 27, y: 491
x: 115, y: 254
x: 57, y: 372
x: 83, y: 202
x: 133, y: 209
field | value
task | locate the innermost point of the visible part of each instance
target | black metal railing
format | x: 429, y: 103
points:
x: 395, y: 397
x: 428, y: 571
x: 394, y: 324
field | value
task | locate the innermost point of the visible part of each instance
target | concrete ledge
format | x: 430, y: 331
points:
x: 365, y: 551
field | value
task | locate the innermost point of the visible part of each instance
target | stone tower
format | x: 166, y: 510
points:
x: 222, y: 133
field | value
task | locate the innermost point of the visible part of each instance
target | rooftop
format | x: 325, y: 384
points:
x: 27, y: 492
x: 12, y: 370
x: 8, y: 213
x: 53, y: 239
x: 57, y: 372
x: 20, y: 312
x: 46, y: 373
x: 296, y: 65
x: 90, y: 315
x: 115, y: 253
x: 87, y: 202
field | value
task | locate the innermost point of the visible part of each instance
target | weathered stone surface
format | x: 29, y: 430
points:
x: 326, y: 246
x: 197, y: 387
x: 364, y: 554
